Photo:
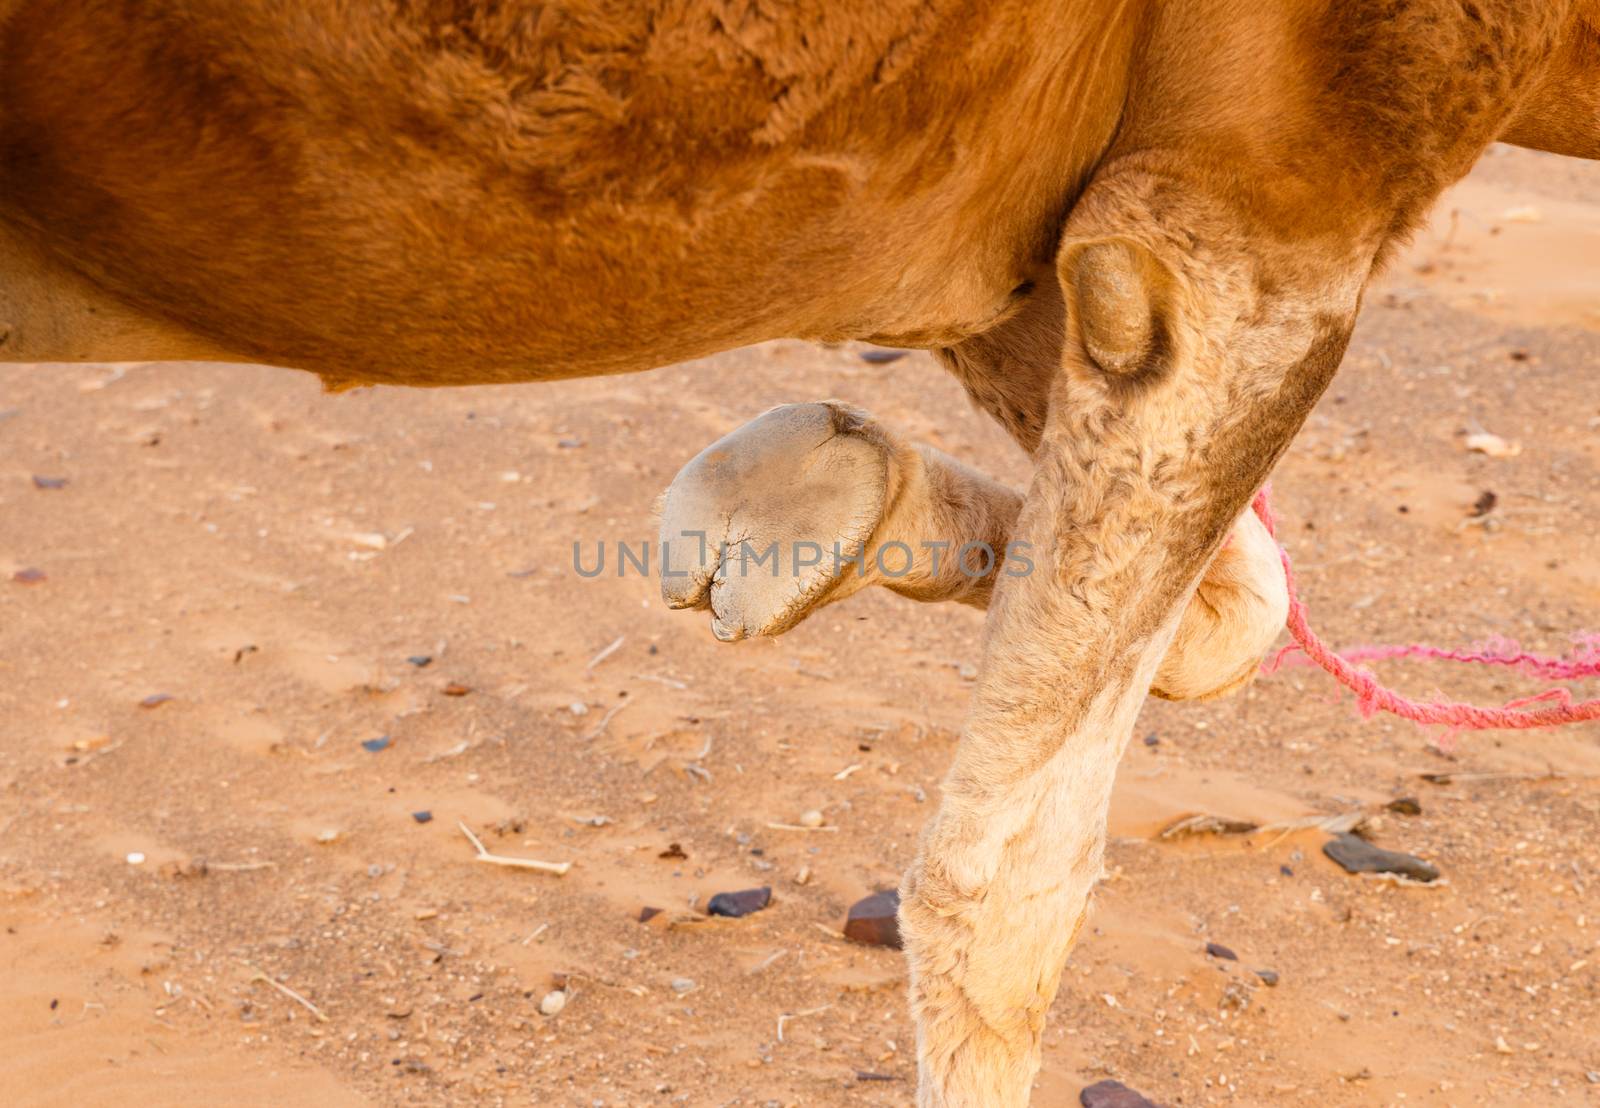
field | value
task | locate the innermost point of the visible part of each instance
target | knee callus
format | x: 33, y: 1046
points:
x: 1121, y: 298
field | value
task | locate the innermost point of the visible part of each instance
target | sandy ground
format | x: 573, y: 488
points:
x: 269, y: 557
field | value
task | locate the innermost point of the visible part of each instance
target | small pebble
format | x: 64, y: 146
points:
x: 423, y: 816
x: 741, y: 903
x: 646, y: 914
x: 374, y: 745
x: 578, y: 708
x: 28, y: 576
x: 49, y: 482
x: 803, y: 876
x: 1493, y: 445
x: 155, y: 700
x: 882, y: 355
x: 1217, y: 950
x: 811, y: 818
x: 456, y: 688
x: 327, y: 835
x: 1405, y: 806
x: 681, y: 985
x: 420, y: 660
x: 1113, y: 1094
x: 874, y: 920
x: 1268, y: 977
x: 1356, y: 855
x: 553, y: 1002
x: 135, y: 858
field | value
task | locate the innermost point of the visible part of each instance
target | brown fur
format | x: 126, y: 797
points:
x: 437, y: 192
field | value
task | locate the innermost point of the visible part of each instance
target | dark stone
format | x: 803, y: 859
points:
x: 647, y: 914
x: 1268, y: 977
x: 875, y: 920
x: 374, y: 745
x: 420, y: 660
x: 1356, y: 855
x: 1485, y: 503
x: 741, y: 903
x: 1217, y: 950
x: 882, y: 356
x: 1113, y: 1094
x: 1405, y: 806
x: 49, y: 482
x: 28, y: 576
x: 423, y: 816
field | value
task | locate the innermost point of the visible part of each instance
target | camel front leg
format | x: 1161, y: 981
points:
x: 810, y: 503
x: 1196, y: 341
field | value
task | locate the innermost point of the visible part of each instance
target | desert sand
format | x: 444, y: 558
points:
x: 267, y: 558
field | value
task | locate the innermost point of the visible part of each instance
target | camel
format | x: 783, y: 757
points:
x: 1138, y: 232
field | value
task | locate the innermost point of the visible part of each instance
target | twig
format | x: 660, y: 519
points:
x: 1204, y: 823
x: 537, y: 931
x: 1407, y: 882
x: 616, y: 644
x: 787, y: 1016
x: 557, y: 868
x: 1336, y: 824
x: 286, y: 991
x: 847, y: 771
x: 239, y: 867
x: 574, y: 975
x: 765, y: 962
x: 1547, y: 775
x: 605, y: 721
x: 667, y: 681
x: 460, y: 748
x: 797, y: 827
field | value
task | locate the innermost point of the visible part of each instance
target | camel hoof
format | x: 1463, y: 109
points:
x: 1236, y: 615
x: 761, y: 525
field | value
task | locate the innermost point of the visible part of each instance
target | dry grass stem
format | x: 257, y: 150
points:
x: 558, y: 868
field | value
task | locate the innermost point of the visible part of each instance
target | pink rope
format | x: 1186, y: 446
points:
x: 1373, y: 697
